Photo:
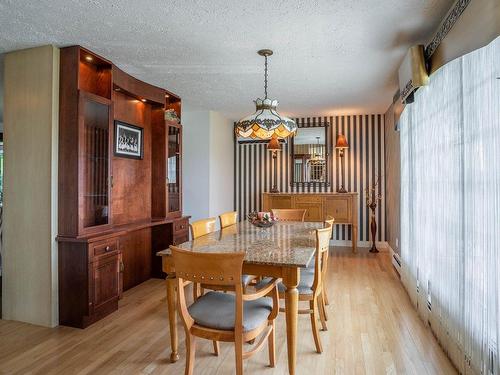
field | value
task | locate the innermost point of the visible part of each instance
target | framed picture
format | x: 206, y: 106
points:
x: 128, y: 140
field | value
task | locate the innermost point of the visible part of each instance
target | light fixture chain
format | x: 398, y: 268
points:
x: 265, y: 77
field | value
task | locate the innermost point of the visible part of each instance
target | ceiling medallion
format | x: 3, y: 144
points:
x: 266, y: 122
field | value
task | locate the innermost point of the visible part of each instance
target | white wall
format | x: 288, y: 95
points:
x: 207, y: 163
x: 29, y: 254
x: 221, y: 183
x: 195, y: 163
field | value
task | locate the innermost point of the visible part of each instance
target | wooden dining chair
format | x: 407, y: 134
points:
x: 311, y: 285
x: 227, y: 219
x: 201, y: 227
x: 328, y: 224
x: 289, y: 214
x: 226, y: 317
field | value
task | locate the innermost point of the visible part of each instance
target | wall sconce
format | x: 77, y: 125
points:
x: 274, y: 146
x: 341, y: 145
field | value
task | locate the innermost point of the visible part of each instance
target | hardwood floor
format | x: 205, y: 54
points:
x: 373, y: 329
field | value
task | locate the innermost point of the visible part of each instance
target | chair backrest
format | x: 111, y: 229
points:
x: 322, y: 245
x: 228, y: 218
x: 329, y: 222
x: 201, y: 227
x: 223, y: 269
x: 289, y: 214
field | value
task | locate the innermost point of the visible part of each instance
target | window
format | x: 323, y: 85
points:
x: 450, y: 207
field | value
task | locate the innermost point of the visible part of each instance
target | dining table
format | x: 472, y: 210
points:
x: 278, y: 251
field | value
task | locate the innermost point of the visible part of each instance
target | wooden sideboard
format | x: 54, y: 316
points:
x: 343, y: 207
x: 115, y: 212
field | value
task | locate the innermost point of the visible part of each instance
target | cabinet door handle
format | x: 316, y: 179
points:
x: 107, y: 248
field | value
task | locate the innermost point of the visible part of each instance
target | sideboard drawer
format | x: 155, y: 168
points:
x: 338, y: 208
x: 181, y: 225
x: 308, y: 198
x: 280, y: 201
x: 104, y: 247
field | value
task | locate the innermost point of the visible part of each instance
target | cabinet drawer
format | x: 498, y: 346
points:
x: 180, y: 238
x: 181, y: 225
x: 280, y: 201
x: 307, y: 199
x: 339, y: 209
x: 104, y: 247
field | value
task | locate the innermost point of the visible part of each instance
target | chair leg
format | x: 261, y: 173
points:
x: 314, y: 319
x: 270, y: 344
x: 325, y: 295
x: 238, y: 351
x: 322, y: 312
x: 216, y: 348
x: 191, y: 349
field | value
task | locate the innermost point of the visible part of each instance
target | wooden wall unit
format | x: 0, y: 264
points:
x: 343, y: 207
x: 115, y: 213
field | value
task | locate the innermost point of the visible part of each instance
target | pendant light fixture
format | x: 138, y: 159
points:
x: 317, y: 158
x: 266, y: 122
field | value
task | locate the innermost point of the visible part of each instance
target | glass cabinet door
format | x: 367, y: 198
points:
x: 95, y: 194
x: 173, y: 168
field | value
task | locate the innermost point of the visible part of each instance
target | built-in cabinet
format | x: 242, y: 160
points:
x: 115, y: 213
x: 343, y: 207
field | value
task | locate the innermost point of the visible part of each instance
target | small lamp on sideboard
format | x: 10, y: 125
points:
x: 274, y: 146
x: 341, y: 145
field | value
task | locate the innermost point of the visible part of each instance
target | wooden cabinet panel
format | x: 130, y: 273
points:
x: 180, y: 238
x: 136, y: 252
x: 314, y: 211
x: 106, y: 280
x: 284, y: 201
x: 339, y: 209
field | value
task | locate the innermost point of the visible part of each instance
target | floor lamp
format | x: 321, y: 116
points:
x: 341, y: 145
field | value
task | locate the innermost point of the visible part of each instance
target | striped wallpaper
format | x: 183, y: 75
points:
x: 364, y: 161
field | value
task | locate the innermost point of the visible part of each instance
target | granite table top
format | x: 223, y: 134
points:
x: 283, y: 244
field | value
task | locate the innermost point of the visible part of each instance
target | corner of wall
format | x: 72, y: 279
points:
x: 30, y: 279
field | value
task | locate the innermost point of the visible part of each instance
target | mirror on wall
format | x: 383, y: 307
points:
x: 309, y: 155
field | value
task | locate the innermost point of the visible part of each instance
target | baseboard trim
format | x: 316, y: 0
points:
x: 381, y: 245
x: 396, y: 260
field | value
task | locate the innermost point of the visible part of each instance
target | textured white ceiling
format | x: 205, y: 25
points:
x: 330, y: 56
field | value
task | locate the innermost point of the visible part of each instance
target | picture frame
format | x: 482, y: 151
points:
x: 128, y: 140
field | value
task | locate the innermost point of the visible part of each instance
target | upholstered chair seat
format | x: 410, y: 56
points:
x: 305, y: 283
x: 216, y: 310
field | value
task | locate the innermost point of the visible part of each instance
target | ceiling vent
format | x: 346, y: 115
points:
x: 412, y: 73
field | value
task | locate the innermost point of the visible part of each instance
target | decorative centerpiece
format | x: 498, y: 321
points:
x: 262, y: 219
x: 171, y: 116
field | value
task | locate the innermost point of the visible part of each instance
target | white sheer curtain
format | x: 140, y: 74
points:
x: 450, y: 208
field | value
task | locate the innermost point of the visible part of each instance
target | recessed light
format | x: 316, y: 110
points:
x: 143, y: 100
x: 166, y: 95
x: 89, y: 58
x: 117, y: 89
